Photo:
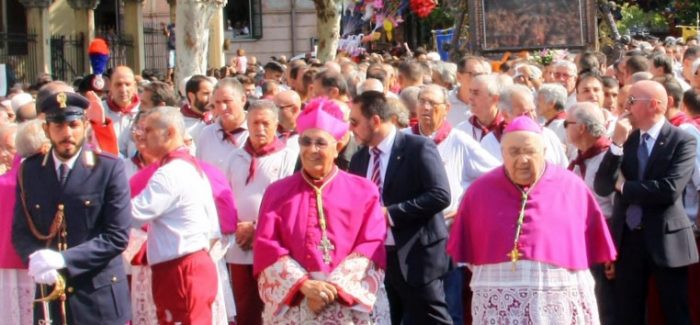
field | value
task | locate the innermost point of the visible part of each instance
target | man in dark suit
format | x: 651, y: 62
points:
x: 71, y: 221
x: 411, y: 178
x: 649, y: 168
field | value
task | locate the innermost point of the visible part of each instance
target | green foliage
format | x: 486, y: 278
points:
x: 634, y: 19
x: 684, y: 11
x: 440, y: 18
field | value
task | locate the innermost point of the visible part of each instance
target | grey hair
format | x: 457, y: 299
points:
x: 573, y: 70
x: 591, y: 116
x: 553, y: 93
x: 505, y: 99
x: 641, y: 75
x: 398, y: 109
x: 263, y: 104
x: 168, y: 116
x: 695, y: 66
x: 409, y: 97
x: 7, y: 129
x: 230, y: 83
x: 30, y: 138
x: 536, y: 72
x: 492, y: 83
x: 447, y: 72
x: 439, y: 89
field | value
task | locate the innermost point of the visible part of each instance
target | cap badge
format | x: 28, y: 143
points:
x: 61, y: 98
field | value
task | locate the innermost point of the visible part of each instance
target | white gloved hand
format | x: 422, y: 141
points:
x: 49, y: 277
x: 44, y: 260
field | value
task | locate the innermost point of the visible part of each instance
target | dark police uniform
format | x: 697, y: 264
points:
x: 97, y: 214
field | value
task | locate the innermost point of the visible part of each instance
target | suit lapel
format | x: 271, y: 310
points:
x: 363, y: 161
x: 658, y: 146
x: 394, y: 159
x: 631, y: 156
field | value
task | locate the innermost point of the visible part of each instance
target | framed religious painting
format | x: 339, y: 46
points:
x: 513, y: 25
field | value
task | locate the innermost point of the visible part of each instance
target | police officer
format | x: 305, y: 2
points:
x: 71, y: 221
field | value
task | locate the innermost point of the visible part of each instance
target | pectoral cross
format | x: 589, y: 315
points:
x: 514, y: 256
x: 326, y: 246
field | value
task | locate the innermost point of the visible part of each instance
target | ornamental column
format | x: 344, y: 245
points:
x: 85, y: 24
x: 38, y: 23
x: 216, y: 40
x: 133, y: 26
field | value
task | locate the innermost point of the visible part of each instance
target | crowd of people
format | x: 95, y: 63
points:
x: 393, y: 190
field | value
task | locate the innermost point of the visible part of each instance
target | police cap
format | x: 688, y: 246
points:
x: 63, y: 106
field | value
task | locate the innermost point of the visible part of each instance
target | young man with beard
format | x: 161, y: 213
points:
x: 198, y: 89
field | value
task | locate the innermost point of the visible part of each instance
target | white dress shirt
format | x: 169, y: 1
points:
x: 459, y: 110
x: 470, y: 130
x: 554, y: 149
x: 58, y: 162
x: 179, y: 204
x: 464, y: 160
x: 248, y: 197
x: 653, y: 135
x: 194, y: 127
x: 214, y: 149
x: 690, y: 199
x: 385, y: 146
x: 592, y: 166
x: 122, y: 128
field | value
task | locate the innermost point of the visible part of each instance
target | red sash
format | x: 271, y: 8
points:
x: 124, y: 110
x: 601, y: 145
x: 440, y: 135
x: 268, y: 149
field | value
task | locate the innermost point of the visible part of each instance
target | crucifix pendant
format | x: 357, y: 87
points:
x: 326, y: 246
x: 514, y: 256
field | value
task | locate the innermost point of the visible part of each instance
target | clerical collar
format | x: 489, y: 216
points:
x: 70, y: 162
x: 319, y: 182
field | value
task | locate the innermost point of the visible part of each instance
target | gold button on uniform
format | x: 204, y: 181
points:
x: 87, y: 203
x: 70, y: 290
x: 114, y: 279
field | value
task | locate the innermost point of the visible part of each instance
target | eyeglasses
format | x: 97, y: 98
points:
x: 631, y: 100
x: 567, y: 123
x: 473, y: 74
x: 321, y: 144
x: 560, y: 75
x: 427, y: 102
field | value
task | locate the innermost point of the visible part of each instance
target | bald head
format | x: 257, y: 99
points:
x: 654, y: 90
x: 289, y: 104
x: 649, y: 104
x: 122, y: 86
x: 371, y: 84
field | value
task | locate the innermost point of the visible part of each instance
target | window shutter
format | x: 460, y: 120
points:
x: 256, y: 14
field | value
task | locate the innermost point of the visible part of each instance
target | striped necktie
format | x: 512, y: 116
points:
x: 377, y: 168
